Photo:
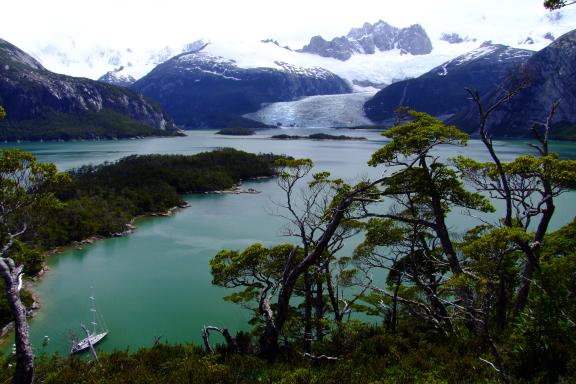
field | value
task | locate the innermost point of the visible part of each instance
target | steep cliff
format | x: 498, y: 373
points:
x: 551, y: 77
x: 441, y: 91
x: 44, y: 105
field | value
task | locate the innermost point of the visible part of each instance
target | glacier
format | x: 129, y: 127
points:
x: 325, y: 111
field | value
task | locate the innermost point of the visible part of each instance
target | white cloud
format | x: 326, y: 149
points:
x: 148, y: 23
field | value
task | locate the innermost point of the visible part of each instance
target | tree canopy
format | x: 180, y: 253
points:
x: 557, y: 4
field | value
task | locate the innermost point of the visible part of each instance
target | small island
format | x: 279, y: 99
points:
x: 316, y: 136
x: 236, y: 131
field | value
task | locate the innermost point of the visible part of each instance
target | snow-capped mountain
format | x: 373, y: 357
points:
x: 550, y: 78
x: 455, y: 38
x: 370, y: 38
x: 202, y: 89
x: 118, y: 77
x: 67, y: 56
x: 441, y: 91
x: 44, y: 105
x: 363, y: 68
x: 362, y: 71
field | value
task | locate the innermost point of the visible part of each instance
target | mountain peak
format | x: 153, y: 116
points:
x: 367, y: 39
x: 11, y: 55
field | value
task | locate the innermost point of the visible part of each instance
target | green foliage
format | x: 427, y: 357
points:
x: 366, y: 354
x: 252, y: 267
x: 256, y: 269
x: 556, y: 4
x: 25, y: 201
x: 2, y: 113
x: 544, y: 338
x: 416, y: 138
x: 31, y: 258
x: 26, y: 195
x: 540, y: 349
x: 5, y: 312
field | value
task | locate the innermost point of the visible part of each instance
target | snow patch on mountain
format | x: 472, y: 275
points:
x: 66, y: 56
x: 326, y: 111
x: 380, y: 68
x: 488, y: 51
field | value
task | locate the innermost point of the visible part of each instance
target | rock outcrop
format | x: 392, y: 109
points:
x: 370, y: 38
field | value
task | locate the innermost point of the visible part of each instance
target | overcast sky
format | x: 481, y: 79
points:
x: 146, y: 23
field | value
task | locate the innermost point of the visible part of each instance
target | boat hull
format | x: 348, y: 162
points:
x: 85, y: 343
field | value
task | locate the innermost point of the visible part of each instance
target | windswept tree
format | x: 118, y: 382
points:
x: 307, y: 201
x: 411, y: 239
x: 557, y: 4
x: 528, y: 186
x: 465, y: 281
x: 269, y: 277
x: 24, y: 195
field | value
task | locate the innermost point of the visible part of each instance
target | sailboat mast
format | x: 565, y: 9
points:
x: 93, y: 310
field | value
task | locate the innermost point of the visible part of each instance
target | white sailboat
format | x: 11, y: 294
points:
x: 93, y: 337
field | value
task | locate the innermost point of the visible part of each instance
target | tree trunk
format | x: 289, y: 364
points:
x: 307, y: 312
x: 230, y: 342
x: 269, y: 348
x: 24, y: 373
x: 319, y: 307
x: 502, y: 301
x: 522, y: 295
x: 269, y: 340
x: 441, y: 230
x: 393, y: 315
x: 333, y: 296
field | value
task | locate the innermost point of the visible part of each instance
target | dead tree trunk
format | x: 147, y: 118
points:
x: 11, y: 275
x: 230, y: 342
x: 307, y: 311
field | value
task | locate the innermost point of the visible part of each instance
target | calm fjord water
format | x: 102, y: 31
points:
x: 156, y: 282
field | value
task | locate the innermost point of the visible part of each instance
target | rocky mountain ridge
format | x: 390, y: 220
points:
x: 379, y: 36
x: 44, y: 105
x: 441, y: 91
x: 548, y: 77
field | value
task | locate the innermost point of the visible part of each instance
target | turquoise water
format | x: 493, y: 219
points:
x: 156, y: 282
